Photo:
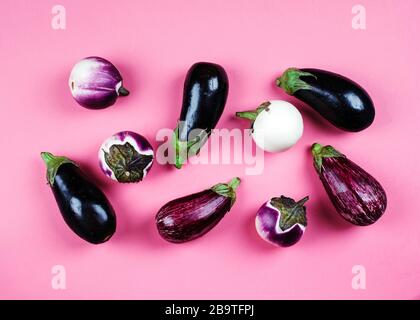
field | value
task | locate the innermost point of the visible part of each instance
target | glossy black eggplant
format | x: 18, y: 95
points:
x: 206, y: 89
x: 84, y: 207
x: 338, y: 99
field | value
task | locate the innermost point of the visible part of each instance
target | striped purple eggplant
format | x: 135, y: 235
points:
x: 190, y: 217
x: 126, y: 157
x: 282, y: 221
x: 95, y: 83
x: 356, y: 195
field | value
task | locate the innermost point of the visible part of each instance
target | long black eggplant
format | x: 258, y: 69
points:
x: 84, y: 207
x: 338, y: 99
x: 206, y: 89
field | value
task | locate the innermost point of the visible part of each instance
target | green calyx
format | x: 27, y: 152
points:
x: 253, y: 114
x: 53, y: 163
x: 290, y: 80
x: 127, y: 164
x: 292, y: 212
x: 185, y: 149
x: 319, y: 152
x: 228, y: 190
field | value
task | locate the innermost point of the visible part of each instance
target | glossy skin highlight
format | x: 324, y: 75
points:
x: 356, y: 195
x: 191, y: 217
x: 206, y: 88
x: 340, y: 100
x: 84, y: 207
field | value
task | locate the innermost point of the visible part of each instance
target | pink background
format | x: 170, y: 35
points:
x: 153, y: 44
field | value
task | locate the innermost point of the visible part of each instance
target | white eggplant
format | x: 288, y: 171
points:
x: 276, y: 125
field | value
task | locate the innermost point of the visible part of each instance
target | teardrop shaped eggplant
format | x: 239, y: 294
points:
x: 84, y: 207
x: 206, y: 89
x: 187, y: 218
x: 356, y: 195
x: 338, y: 99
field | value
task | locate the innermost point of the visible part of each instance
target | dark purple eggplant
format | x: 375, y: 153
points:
x: 190, y: 217
x: 206, y: 89
x: 356, y: 195
x: 84, y: 207
x: 338, y: 99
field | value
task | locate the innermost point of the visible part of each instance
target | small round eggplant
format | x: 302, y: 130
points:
x: 206, y: 89
x: 282, y: 221
x: 95, y: 83
x: 84, y: 207
x: 276, y: 125
x: 187, y: 218
x: 356, y: 195
x: 338, y: 99
x: 126, y: 157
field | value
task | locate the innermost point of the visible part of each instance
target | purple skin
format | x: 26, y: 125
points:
x: 141, y: 141
x: 95, y: 83
x: 187, y: 218
x: 355, y: 194
x: 105, y: 169
x: 282, y: 221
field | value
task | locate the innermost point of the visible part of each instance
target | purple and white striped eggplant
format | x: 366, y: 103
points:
x: 95, y: 83
x: 282, y: 221
x: 126, y: 157
x: 190, y: 217
x: 356, y: 195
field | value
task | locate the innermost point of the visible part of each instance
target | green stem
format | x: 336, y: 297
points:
x: 53, y: 163
x: 290, y: 80
x: 180, y: 148
x: 228, y: 190
x: 234, y: 183
x: 249, y: 115
x: 185, y: 149
x: 47, y: 157
x: 319, y: 152
x: 123, y: 92
x: 253, y: 114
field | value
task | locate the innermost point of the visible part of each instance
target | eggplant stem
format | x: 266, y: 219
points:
x: 123, y: 92
x: 234, y: 183
x: 185, y: 149
x: 47, y: 157
x: 253, y: 114
x: 179, y: 158
x: 320, y: 152
x: 249, y: 115
x: 53, y: 163
x: 290, y: 80
x: 227, y: 190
